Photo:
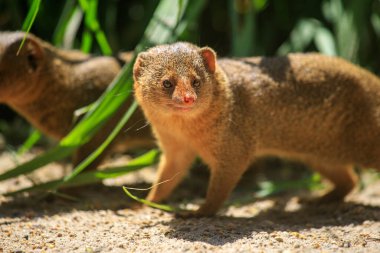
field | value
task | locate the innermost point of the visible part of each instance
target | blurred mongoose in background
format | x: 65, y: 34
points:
x: 320, y: 110
x: 46, y: 85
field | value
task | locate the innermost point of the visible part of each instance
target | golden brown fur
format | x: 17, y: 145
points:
x: 320, y: 110
x: 46, y: 85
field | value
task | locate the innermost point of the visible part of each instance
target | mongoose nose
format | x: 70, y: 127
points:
x: 188, y: 99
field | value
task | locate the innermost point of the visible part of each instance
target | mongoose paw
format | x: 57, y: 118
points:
x: 185, y: 214
x: 328, y: 198
x: 193, y: 214
x: 190, y: 214
x: 333, y: 196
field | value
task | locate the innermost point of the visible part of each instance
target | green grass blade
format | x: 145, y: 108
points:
x: 92, y: 24
x: 347, y: 36
x: 38, y: 188
x: 33, y: 138
x: 259, y: 5
x: 324, y: 41
x: 300, y: 37
x: 268, y: 188
x: 352, y: 33
x: 166, y: 208
x: 187, y: 27
x: 163, y: 25
x: 243, y: 27
x: 83, y: 4
x: 64, y: 20
x: 103, y: 42
x: 54, y: 154
x: 91, y: 15
x: 87, y: 40
x: 104, y: 145
x: 72, y: 28
x: 103, y: 108
x: 32, y: 14
x: 375, y: 22
x: 332, y: 10
x: 90, y: 177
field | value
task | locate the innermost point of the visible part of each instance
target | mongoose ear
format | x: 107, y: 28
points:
x: 31, y: 52
x: 35, y: 53
x: 209, y: 58
x: 139, y: 64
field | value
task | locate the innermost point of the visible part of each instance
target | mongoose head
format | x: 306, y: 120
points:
x: 177, y: 79
x: 18, y: 72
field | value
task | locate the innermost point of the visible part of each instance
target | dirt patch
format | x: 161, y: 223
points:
x: 105, y: 220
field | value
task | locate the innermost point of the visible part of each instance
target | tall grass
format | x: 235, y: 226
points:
x: 346, y: 28
x: 30, y: 19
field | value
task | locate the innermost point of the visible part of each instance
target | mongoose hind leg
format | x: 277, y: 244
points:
x: 344, y: 180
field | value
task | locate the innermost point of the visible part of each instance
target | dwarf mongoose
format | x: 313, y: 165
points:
x: 46, y: 85
x: 320, y: 110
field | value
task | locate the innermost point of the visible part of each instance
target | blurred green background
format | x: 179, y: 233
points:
x: 348, y: 28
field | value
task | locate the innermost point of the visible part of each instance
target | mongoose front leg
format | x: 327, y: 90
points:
x: 223, y: 180
x: 174, y: 163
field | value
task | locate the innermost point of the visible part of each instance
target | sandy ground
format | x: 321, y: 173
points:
x: 105, y: 220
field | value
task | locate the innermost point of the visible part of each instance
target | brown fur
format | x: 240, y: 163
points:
x: 46, y: 85
x: 320, y: 110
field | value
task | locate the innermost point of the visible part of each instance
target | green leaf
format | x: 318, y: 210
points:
x: 352, y: 29
x: 347, y: 36
x: 32, y: 14
x: 300, y: 37
x: 332, y: 10
x: 92, y: 24
x: 324, y: 41
x: 33, y: 138
x: 375, y: 21
x: 303, y: 33
x: 57, y: 153
x: 104, y: 145
x: 90, y: 177
x: 259, y: 5
x: 83, y: 4
x: 103, y: 42
x: 268, y: 188
x: 189, y: 20
x: 64, y: 20
x: 243, y: 27
x: 72, y: 28
x: 166, y: 208
x: 87, y: 40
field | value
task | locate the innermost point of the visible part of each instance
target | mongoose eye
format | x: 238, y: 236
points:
x: 167, y: 84
x: 196, y: 83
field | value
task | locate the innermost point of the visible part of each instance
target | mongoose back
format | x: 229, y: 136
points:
x: 46, y: 85
x: 323, y: 111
